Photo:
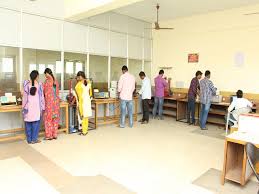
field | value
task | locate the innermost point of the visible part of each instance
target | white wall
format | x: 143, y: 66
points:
x: 217, y: 37
x: 50, y: 8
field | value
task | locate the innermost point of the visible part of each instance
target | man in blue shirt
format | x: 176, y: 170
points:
x: 207, y: 91
x: 145, y: 93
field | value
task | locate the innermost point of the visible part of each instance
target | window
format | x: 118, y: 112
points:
x: 116, y: 65
x: 32, y: 67
x: 59, y: 67
x: 42, y: 68
x: 74, y: 62
x: 135, y: 66
x: 34, y: 59
x: 7, y: 65
x: 9, y: 76
x: 79, y: 67
x: 99, y: 71
x: 69, y: 67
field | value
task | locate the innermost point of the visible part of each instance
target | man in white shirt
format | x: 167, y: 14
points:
x: 239, y: 106
x: 145, y: 93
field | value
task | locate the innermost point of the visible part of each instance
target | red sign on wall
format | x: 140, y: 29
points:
x: 193, y: 58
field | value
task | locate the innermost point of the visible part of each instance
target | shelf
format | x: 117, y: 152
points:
x: 12, y: 138
x: 216, y: 121
x: 234, y: 174
x: 167, y: 105
x: 169, y: 113
x: 217, y: 112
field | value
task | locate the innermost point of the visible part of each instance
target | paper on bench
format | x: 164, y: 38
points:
x: 245, y: 136
x: 249, y: 123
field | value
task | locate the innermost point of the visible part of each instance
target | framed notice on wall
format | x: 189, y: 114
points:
x: 193, y: 58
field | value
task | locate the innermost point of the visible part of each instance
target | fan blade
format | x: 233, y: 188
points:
x: 255, y: 13
x: 166, y: 29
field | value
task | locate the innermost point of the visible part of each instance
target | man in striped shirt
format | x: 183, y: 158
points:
x: 207, y: 92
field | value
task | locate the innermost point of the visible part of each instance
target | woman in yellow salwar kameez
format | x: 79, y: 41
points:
x: 84, y: 94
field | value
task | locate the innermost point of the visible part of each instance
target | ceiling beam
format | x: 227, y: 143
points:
x: 84, y: 12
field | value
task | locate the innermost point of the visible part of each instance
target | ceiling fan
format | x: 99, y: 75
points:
x: 157, y: 26
x: 253, y: 13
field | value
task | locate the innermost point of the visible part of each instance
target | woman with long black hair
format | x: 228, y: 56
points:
x: 84, y: 93
x: 51, y: 114
x: 32, y: 106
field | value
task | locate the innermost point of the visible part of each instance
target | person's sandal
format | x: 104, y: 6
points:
x: 84, y: 134
x: 47, y: 138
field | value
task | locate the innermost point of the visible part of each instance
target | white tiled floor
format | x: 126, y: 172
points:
x: 162, y: 157
x: 16, y: 176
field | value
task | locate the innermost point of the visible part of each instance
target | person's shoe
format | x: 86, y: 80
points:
x: 160, y: 118
x: 153, y: 117
x: 48, y: 138
x: 55, y: 138
x: 204, y: 128
x: 121, y: 126
x: 191, y: 123
x: 37, y: 141
x: 144, y: 122
x: 141, y: 120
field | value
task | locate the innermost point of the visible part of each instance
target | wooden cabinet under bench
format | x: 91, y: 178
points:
x: 19, y: 133
x: 176, y: 106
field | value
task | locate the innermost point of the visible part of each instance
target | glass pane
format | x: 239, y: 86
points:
x: 34, y: 59
x: 9, y: 76
x: 99, y: 71
x: 135, y: 66
x: 69, y: 67
x: 116, y: 65
x: 74, y: 62
x: 59, y: 67
x: 79, y: 67
x: 32, y: 67
x: 7, y: 65
x: 147, y: 69
x: 42, y: 68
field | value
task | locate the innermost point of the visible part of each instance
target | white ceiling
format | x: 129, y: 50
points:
x: 171, y: 9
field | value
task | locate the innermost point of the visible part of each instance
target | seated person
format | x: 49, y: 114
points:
x: 237, y: 107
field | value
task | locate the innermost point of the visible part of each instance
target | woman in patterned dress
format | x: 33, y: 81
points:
x: 51, y: 114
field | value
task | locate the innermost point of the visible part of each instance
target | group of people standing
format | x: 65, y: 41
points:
x: 205, y: 90
x: 41, y: 102
x: 126, y: 88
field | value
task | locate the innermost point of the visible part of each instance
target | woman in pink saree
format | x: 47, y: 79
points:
x: 51, y: 114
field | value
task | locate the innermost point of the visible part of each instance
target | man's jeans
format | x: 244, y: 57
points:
x: 159, y: 102
x: 205, y: 108
x: 129, y: 105
x: 191, y: 111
